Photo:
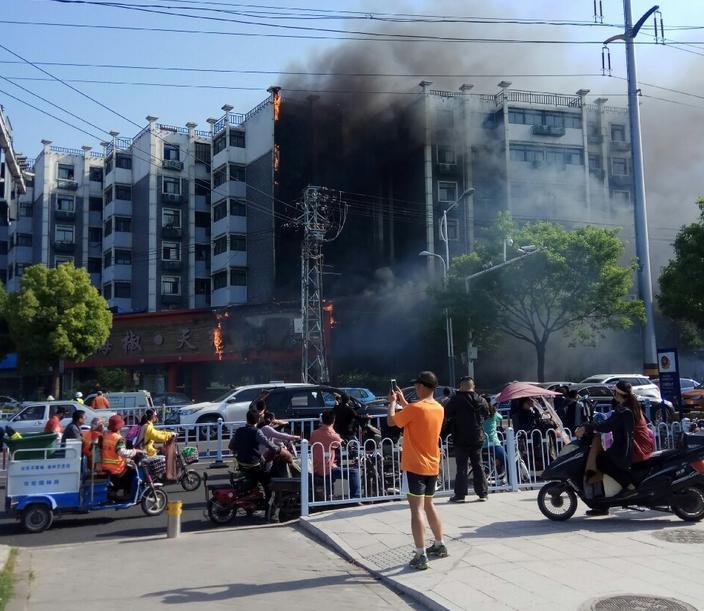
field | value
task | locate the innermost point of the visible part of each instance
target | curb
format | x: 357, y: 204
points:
x: 338, y: 547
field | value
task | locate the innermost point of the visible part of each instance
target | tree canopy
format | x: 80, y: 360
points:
x: 57, y: 314
x: 572, y: 283
x: 682, y: 280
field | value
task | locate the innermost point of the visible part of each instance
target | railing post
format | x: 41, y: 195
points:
x: 219, y: 463
x: 304, y: 477
x: 512, y: 459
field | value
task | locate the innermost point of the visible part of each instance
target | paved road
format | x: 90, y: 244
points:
x: 101, y: 525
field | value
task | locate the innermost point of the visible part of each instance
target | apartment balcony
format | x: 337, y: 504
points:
x: 172, y: 164
x: 95, y: 189
x: 548, y: 130
x: 65, y: 247
x: 171, y: 266
x: 624, y: 181
x: 203, y: 235
x: 171, y: 300
x: 66, y: 184
x: 202, y: 301
x: 229, y: 295
x: 619, y: 145
x: 118, y: 175
x: 230, y: 188
x: 117, y: 239
x: 171, y: 233
x: 597, y: 173
x: 230, y: 224
x: 119, y: 273
x: 121, y: 304
x: 234, y: 258
x: 22, y: 254
x: 119, y: 207
x: 203, y: 203
x: 65, y: 215
x: 595, y: 139
x: 173, y: 198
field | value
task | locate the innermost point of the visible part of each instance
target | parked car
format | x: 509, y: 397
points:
x: 33, y: 417
x: 642, y: 386
x: 693, y: 399
x: 125, y: 400
x: 363, y: 395
x: 410, y: 393
x: 232, y: 406
x: 8, y: 403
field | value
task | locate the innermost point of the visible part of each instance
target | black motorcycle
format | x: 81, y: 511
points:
x: 670, y: 480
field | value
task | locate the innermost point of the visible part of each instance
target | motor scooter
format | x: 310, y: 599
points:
x: 670, y: 480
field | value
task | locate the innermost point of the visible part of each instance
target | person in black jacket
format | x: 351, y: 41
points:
x: 616, y: 461
x: 464, y: 417
x: 347, y: 420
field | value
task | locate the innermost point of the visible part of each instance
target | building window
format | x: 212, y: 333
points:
x: 444, y: 119
x: 447, y: 191
x: 23, y: 239
x: 237, y: 138
x: 202, y: 286
x: 202, y: 252
x: 618, y: 132
x: 170, y: 251
x: 170, y: 285
x: 453, y: 229
x: 123, y: 224
x: 238, y: 276
x: 107, y: 258
x: 123, y: 192
x: 95, y: 204
x: 107, y: 195
x: 564, y: 156
x: 202, y: 187
x: 220, y: 245
x: 66, y: 172
x: 171, y: 186
x: 171, y: 217
x: 219, y: 143
x: 107, y: 291
x: 95, y: 234
x: 94, y: 265
x: 26, y: 210
x: 65, y: 204
x: 219, y: 211
x: 238, y: 242
x: 446, y: 154
x: 123, y: 290
x: 220, y: 176
x: 124, y: 162
x: 238, y: 207
x: 123, y: 257
x: 595, y: 162
x: 95, y: 174
x: 621, y: 197
x: 64, y: 233
x: 172, y: 152
x: 59, y: 260
x: 526, y: 153
x: 202, y: 219
x: 203, y: 152
x: 619, y: 166
x: 107, y: 228
x: 219, y: 280
x: 237, y: 173
x: 3, y: 247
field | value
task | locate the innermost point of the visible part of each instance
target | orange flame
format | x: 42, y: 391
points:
x: 218, y: 344
x: 277, y: 157
x: 276, y: 99
x: 329, y: 309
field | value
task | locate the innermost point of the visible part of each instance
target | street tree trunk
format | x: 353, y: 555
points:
x: 540, y: 353
x: 56, y: 381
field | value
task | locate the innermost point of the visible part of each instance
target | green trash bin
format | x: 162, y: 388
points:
x: 31, y: 441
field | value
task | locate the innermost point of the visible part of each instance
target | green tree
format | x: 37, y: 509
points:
x: 682, y: 280
x: 57, y: 314
x: 574, y: 285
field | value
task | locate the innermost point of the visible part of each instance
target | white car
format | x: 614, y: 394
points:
x: 32, y: 418
x: 230, y: 407
x: 642, y: 386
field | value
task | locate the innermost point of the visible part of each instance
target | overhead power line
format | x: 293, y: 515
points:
x: 102, y: 26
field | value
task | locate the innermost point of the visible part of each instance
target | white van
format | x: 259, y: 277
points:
x: 130, y: 405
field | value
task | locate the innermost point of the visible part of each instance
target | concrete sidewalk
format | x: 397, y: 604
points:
x: 505, y: 555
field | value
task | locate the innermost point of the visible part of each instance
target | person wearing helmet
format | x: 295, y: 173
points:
x: 79, y: 398
x: 113, y: 459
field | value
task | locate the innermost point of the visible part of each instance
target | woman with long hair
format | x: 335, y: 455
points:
x: 616, y: 461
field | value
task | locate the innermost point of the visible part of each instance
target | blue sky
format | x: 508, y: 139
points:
x: 658, y: 65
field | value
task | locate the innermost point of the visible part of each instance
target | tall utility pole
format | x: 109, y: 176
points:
x: 322, y: 219
x: 645, y: 282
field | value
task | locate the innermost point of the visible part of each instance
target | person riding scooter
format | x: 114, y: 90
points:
x: 616, y: 461
x: 114, y: 455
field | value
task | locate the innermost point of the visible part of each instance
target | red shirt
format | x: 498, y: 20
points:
x: 324, y: 440
x: 53, y: 425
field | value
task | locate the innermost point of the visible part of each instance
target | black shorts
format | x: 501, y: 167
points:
x: 419, y: 485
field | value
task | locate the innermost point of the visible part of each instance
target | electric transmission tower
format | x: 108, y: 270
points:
x: 323, y: 218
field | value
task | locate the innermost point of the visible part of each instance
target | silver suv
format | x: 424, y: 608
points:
x: 641, y: 385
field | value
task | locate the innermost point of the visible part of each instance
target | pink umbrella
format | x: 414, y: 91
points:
x: 519, y: 390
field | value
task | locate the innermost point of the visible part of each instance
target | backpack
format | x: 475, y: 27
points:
x: 131, y: 438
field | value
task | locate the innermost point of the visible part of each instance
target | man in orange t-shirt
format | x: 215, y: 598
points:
x: 420, y: 461
x: 100, y: 401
